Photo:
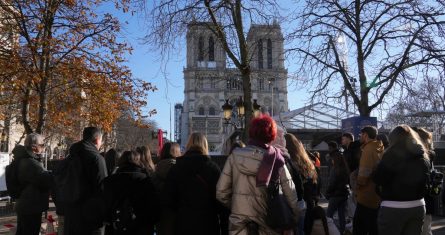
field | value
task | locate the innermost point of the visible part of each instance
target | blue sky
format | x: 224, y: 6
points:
x: 145, y: 64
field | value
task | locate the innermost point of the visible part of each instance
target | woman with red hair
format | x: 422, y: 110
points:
x: 248, y: 171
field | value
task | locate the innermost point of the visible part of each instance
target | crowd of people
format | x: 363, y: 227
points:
x: 382, y: 188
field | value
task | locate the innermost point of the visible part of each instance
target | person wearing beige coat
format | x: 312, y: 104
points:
x: 237, y: 190
x: 240, y: 188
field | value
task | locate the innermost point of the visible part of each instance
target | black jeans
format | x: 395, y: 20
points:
x: 338, y: 204
x: 365, y: 221
x: 29, y: 224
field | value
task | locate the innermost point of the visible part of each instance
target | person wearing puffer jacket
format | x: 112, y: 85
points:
x: 242, y: 186
x: 401, y: 178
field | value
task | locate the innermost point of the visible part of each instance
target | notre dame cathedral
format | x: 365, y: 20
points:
x: 209, y: 81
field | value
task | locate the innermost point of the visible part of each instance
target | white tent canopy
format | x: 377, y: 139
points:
x: 314, y: 116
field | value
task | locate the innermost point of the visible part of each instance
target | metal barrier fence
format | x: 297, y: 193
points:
x: 439, y: 200
x: 6, y: 208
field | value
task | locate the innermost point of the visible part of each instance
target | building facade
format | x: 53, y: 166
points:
x: 209, y: 81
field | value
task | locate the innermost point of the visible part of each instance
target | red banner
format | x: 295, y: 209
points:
x: 160, y: 140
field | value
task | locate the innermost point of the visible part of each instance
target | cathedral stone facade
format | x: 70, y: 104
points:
x: 209, y: 81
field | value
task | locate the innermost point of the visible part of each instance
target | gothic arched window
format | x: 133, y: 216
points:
x: 235, y: 84
x: 260, y: 54
x: 261, y: 84
x: 269, y: 53
x: 201, y: 111
x: 201, y: 49
x: 211, y: 49
x: 212, y: 111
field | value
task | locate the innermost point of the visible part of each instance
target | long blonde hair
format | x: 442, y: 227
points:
x: 426, y: 137
x: 299, y: 155
x: 146, y: 158
x: 407, y: 137
x: 198, y: 142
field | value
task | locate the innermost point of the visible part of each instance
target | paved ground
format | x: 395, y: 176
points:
x: 9, y: 219
x: 438, y: 225
x: 6, y: 221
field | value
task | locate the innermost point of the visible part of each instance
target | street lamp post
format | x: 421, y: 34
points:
x: 271, y: 86
x: 3, y: 142
x: 256, y: 108
x: 240, y: 112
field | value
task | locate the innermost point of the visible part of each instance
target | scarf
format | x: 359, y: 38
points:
x: 270, y: 165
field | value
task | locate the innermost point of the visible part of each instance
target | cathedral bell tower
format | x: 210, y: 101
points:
x: 208, y: 82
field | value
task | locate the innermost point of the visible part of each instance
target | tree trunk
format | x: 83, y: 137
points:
x: 247, y: 92
x: 363, y: 106
x: 42, y: 112
x: 45, y: 66
x: 25, y: 111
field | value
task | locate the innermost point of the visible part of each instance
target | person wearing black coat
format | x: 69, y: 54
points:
x: 427, y: 140
x: 401, y: 178
x: 111, y: 158
x: 131, y: 181
x: 351, y: 151
x: 170, y: 151
x: 338, y: 190
x: 34, y: 197
x: 86, y: 216
x: 190, y: 193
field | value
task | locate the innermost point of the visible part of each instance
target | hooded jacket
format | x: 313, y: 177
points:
x: 402, y: 173
x: 237, y: 190
x: 371, y: 155
x: 35, y: 196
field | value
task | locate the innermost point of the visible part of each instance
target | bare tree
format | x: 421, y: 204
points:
x: 227, y: 20
x: 379, y: 44
x: 423, y: 105
x: 130, y: 134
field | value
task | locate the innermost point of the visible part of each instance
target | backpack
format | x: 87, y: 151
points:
x: 67, y: 179
x: 123, y: 218
x: 434, y: 182
x: 13, y: 184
